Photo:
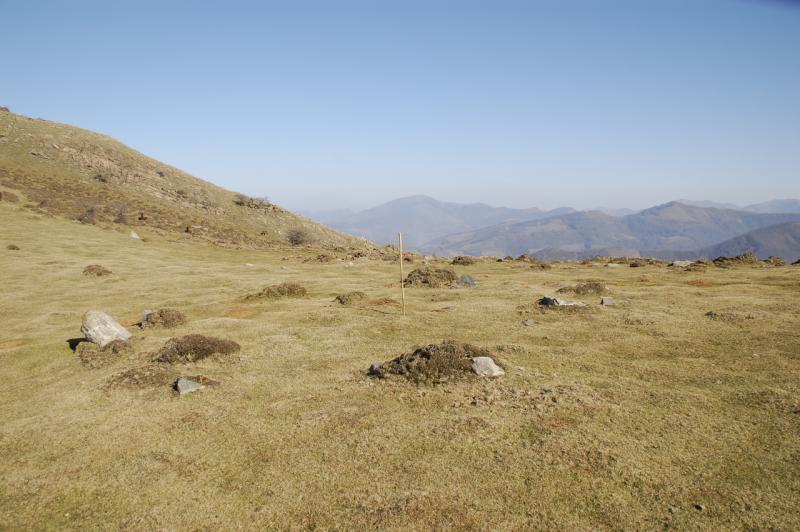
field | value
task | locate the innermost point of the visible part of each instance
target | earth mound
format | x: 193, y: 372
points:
x: 430, y: 278
x: 585, y: 288
x: 194, y: 347
x: 164, y: 317
x: 433, y: 362
x: 350, y: 298
x: 278, y: 291
x: 96, y: 270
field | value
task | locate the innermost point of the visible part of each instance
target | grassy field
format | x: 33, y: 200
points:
x: 648, y: 414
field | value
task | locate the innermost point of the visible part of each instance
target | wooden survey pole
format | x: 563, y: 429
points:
x: 402, y: 288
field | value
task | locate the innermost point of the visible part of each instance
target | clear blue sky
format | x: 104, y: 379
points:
x: 346, y: 104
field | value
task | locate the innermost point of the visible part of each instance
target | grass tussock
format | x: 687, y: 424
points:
x: 279, y: 291
x: 428, y: 277
x: 164, y: 317
x: 433, y: 362
x: 95, y: 270
x: 194, y: 347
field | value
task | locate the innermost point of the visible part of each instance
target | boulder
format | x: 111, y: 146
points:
x: 184, y: 386
x: 485, y: 367
x: 466, y: 281
x: 101, y: 329
x: 681, y: 263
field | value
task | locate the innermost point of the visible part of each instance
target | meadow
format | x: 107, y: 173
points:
x: 647, y: 414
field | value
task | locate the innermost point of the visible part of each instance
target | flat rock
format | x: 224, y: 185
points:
x: 184, y: 386
x: 485, y: 367
x: 101, y: 329
x: 681, y: 263
x: 607, y: 301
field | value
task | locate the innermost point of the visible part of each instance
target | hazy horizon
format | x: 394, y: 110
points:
x: 520, y: 104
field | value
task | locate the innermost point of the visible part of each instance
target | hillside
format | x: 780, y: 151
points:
x: 71, y: 172
x: 672, y: 226
x: 422, y: 218
x: 782, y: 240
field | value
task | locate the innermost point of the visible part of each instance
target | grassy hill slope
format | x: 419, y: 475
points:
x: 75, y: 173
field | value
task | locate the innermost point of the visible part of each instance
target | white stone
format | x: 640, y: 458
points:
x: 101, y: 329
x: 184, y: 386
x: 135, y: 235
x: 485, y: 367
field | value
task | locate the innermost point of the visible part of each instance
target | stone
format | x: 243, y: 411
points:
x: 550, y: 301
x: 485, y: 367
x: 135, y: 235
x: 466, y: 281
x: 607, y: 301
x: 145, y: 313
x: 681, y: 263
x: 184, y: 386
x: 101, y: 329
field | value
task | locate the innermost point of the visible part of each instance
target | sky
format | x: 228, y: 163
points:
x: 346, y: 104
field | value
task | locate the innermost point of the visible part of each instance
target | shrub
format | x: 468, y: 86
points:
x: 299, y: 237
x: 194, y: 347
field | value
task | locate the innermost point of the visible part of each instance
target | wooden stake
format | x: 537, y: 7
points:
x: 402, y: 288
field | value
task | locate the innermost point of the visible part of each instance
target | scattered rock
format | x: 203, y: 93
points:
x: 194, y: 347
x: 549, y: 301
x: 350, y: 298
x: 485, y: 367
x: 466, y: 281
x: 96, y: 270
x: 430, y: 277
x: 607, y: 301
x: 164, y: 317
x: 742, y: 259
x: 184, y: 386
x: 434, y: 362
x: 279, y: 291
x: 135, y: 235
x: 101, y: 329
x: 772, y: 260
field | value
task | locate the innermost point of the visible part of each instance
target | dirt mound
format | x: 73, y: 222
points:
x: 12, y: 247
x: 92, y: 355
x: 463, y: 260
x: 430, y: 278
x: 194, y: 347
x: 350, y: 298
x: 434, y: 362
x: 164, y: 317
x: 150, y: 375
x: 278, y: 291
x: 585, y: 288
x: 96, y: 270
x: 743, y: 259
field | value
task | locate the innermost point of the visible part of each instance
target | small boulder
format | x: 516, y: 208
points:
x: 549, y: 301
x: 184, y: 386
x: 135, y: 235
x: 681, y: 263
x: 485, y: 367
x: 101, y: 329
x: 466, y: 281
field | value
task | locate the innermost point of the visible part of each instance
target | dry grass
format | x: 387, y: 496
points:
x: 620, y: 418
